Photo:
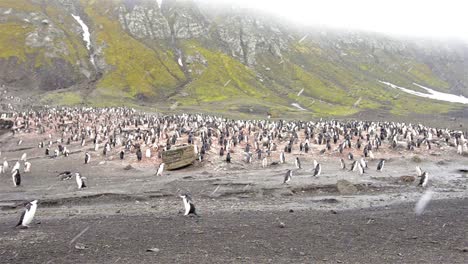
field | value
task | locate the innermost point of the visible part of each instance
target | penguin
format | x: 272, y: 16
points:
x: 28, y: 214
x: 27, y: 166
x: 361, y: 169
x: 354, y: 166
x: 342, y: 164
x: 287, y: 177
x: 122, y: 154
x: 16, y: 178
x: 16, y: 167
x: 424, y: 179
x: 23, y: 157
x: 363, y: 163
x: 66, y: 175
x: 264, y: 162
x: 188, y: 205
x: 418, y: 171
x: 47, y: 152
x: 317, y: 170
x: 56, y: 153
x: 138, y: 153
x: 148, y: 153
x: 298, y: 163
x: 282, y: 159
x: 5, y: 165
x: 315, y: 164
x: 381, y: 164
x: 228, y: 157
x: 80, y: 181
x: 350, y: 156
x: 87, y: 158
x: 160, y: 170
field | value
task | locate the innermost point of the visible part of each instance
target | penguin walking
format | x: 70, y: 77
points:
x: 354, y: 166
x: 80, y: 181
x: 317, y: 170
x: 160, y: 170
x: 381, y: 164
x: 87, y: 158
x: 188, y: 205
x: 28, y: 214
x: 16, y: 178
x: 424, y: 179
x: 342, y: 164
x: 287, y: 177
x: 298, y: 163
x: 122, y: 154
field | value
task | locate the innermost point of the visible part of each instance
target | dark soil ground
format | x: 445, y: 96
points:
x: 127, y: 210
x: 376, y: 235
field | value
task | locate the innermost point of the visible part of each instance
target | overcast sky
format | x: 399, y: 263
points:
x: 426, y: 18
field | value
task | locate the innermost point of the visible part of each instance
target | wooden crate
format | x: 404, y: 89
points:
x: 178, y: 157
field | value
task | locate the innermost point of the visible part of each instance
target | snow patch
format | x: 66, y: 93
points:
x: 298, y: 106
x: 180, y: 62
x: 300, y: 92
x: 86, y: 36
x: 431, y: 94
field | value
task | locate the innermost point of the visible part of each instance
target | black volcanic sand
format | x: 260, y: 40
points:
x: 127, y: 210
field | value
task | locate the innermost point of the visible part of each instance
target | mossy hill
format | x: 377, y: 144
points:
x: 188, y: 56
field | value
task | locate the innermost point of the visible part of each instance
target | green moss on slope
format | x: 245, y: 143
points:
x: 12, y: 39
x: 136, y: 69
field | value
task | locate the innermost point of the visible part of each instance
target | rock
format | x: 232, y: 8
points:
x: 291, y: 210
x: 80, y: 246
x: 346, y: 187
x: 128, y: 167
x: 281, y: 225
x: 407, y: 178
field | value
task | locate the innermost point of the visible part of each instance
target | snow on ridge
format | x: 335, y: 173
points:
x: 86, y: 34
x: 432, y: 94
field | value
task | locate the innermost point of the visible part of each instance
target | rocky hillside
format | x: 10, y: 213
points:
x: 188, y: 55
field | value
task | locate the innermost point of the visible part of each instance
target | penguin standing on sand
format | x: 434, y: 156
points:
x: 282, y: 159
x: 287, y: 177
x: 28, y: 214
x: 317, y: 169
x: 16, y: 178
x: 188, y: 205
x: 424, y: 179
x: 354, y: 166
x: 87, y: 158
x: 361, y: 169
x: 122, y: 154
x: 298, y: 163
x: 380, y: 165
x: 80, y: 181
x: 228, y: 157
x: 160, y: 169
x: 342, y: 164
x: 264, y: 162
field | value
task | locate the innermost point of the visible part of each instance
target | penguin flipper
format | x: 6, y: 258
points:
x: 21, y: 219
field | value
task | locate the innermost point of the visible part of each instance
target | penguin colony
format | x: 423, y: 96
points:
x: 128, y: 134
